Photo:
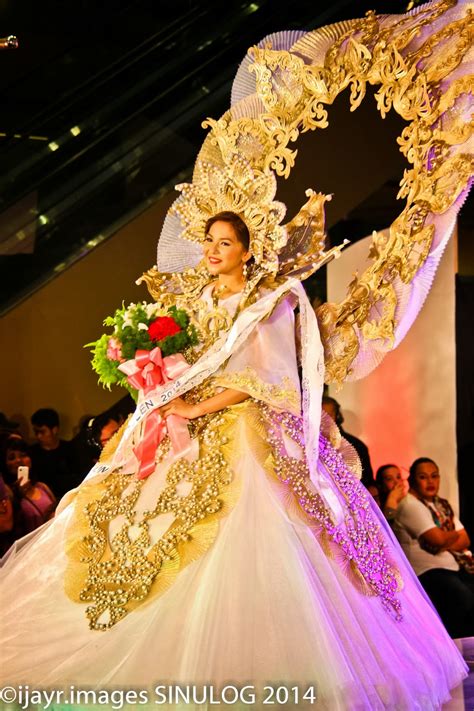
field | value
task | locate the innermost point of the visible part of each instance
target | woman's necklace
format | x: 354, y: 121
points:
x: 219, y: 291
x: 219, y: 319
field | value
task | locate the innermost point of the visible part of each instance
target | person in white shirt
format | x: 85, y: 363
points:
x: 436, y: 544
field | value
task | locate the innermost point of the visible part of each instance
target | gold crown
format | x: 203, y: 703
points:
x: 239, y: 188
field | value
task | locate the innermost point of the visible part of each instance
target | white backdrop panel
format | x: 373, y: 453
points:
x: 406, y: 408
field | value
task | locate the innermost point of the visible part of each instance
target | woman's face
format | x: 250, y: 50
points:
x: 390, y: 478
x: 223, y: 251
x: 108, y: 431
x: 427, y: 480
x: 16, y: 458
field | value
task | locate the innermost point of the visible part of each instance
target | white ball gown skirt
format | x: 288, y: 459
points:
x: 264, y: 605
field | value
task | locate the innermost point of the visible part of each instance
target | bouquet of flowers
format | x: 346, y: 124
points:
x: 138, y: 328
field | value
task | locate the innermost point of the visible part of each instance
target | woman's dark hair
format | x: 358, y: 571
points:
x: 16, y: 444
x: 95, y: 426
x: 13, y: 444
x: 241, y: 229
x: 379, y: 482
x: 332, y: 401
x: 414, y: 467
x: 46, y: 417
x: 378, y: 476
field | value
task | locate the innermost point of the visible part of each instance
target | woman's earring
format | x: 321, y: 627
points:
x: 244, y: 271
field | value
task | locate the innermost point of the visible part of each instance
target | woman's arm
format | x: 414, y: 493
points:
x: 462, y: 542
x: 218, y: 402
x: 393, y: 499
x: 441, y: 540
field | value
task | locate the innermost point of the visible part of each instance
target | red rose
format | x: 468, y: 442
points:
x: 162, y: 327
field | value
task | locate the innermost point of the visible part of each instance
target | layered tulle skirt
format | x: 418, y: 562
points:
x: 259, y: 609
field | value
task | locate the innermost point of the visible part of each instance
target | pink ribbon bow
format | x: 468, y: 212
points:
x: 145, y: 372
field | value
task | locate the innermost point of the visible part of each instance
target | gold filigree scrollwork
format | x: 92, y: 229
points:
x: 242, y: 189
x: 405, y: 29
x: 456, y: 102
x: 249, y: 138
x: 304, y: 251
x: 371, y: 52
x: 288, y: 115
x: 381, y: 315
x: 281, y: 395
x: 401, y: 88
x: 451, y: 43
x: 441, y: 188
x: 279, y: 85
x: 408, y: 59
x: 167, y: 288
x: 340, y: 340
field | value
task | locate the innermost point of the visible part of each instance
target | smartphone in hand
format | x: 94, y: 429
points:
x: 23, y: 475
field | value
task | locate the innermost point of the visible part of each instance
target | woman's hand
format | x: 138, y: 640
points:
x: 435, y: 540
x: 23, y: 488
x: 179, y: 407
x: 226, y: 398
x: 461, y: 543
x: 394, y: 497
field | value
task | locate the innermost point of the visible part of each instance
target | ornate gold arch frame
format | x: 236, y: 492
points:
x: 421, y: 63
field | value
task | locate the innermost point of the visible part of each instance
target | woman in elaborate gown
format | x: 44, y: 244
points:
x: 236, y: 565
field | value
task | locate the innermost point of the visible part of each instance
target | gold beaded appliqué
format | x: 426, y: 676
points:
x: 115, y: 575
x: 282, y: 395
x: 357, y: 542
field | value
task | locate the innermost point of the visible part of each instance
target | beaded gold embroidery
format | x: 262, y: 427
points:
x: 116, y: 574
x: 282, y: 395
x: 357, y: 541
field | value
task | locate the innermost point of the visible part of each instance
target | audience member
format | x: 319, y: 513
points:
x: 102, y: 428
x: 53, y: 458
x: 392, y: 489
x: 7, y: 535
x: 85, y: 453
x: 93, y: 435
x: 122, y: 409
x: 33, y: 502
x: 435, y: 542
x: 333, y: 409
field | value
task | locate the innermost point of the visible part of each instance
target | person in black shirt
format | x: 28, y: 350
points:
x: 93, y: 435
x: 333, y: 409
x: 53, y: 458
